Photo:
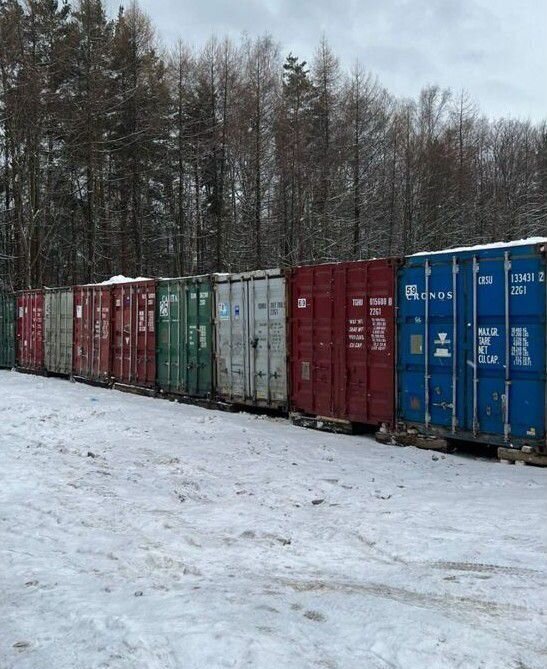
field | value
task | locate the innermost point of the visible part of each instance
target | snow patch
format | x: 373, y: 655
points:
x: 482, y: 247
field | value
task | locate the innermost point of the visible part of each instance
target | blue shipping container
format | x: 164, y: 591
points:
x: 472, y: 341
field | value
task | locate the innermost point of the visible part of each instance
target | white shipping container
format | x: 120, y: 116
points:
x: 251, y: 338
x: 59, y: 306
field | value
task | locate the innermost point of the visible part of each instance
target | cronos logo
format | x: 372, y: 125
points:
x: 412, y: 293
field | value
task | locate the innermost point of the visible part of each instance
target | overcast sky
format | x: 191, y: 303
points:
x: 495, y: 49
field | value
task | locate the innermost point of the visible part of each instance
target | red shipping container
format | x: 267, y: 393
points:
x: 343, y: 338
x: 30, y: 330
x: 92, y: 332
x: 134, y: 333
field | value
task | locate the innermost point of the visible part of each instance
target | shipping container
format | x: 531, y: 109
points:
x: 134, y: 333
x: 7, y: 329
x: 58, y: 344
x: 92, y: 333
x: 342, y: 352
x: 472, y: 343
x: 184, y: 335
x: 30, y: 330
x: 251, y: 338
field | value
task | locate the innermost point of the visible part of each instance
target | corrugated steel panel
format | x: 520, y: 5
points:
x: 251, y: 346
x: 59, y: 306
x: 134, y: 333
x: 472, y: 344
x: 342, y: 354
x: 185, y: 336
x: 30, y: 330
x: 92, y: 333
x: 7, y: 329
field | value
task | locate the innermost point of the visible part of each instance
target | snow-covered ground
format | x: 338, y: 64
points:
x: 141, y: 534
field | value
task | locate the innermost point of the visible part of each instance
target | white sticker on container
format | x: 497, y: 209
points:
x: 302, y: 303
x: 78, y: 311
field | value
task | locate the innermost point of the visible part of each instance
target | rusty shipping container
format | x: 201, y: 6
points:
x: 92, y: 333
x: 342, y: 336
x: 58, y: 330
x: 134, y: 333
x: 251, y: 339
x: 30, y: 330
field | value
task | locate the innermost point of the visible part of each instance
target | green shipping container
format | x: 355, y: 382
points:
x: 7, y: 329
x: 185, y: 336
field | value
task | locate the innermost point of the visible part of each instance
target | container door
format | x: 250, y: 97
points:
x: 351, y: 377
x: 302, y: 391
x: 168, y: 336
x: 204, y: 299
x: 67, y: 329
x: 193, y: 340
x: 485, y: 345
x: 276, y: 289
x: 377, y: 383
x: 101, y: 332
x: 267, y: 345
x: 430, y: 365
x: 144, y: 349
x: 122, y: 333
x: 7, y: 330
x: 78, y: 349
x: 51, y: 332
x: 323, y: 337
x: 506, y: 346
x: 312, y: 339
x: 58, y: 331
x: 232, y: 372
x: 527, y: 384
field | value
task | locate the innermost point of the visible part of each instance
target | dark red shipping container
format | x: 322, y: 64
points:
x: 134, y: 333
x: 342, y: 330
x: 30, y: 330
x: 92, y: 332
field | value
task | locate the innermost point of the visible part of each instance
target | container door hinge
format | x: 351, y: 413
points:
x: 506, y: 431
x: 455, y: 268
x: 507, y: 265
x: 428, y: 271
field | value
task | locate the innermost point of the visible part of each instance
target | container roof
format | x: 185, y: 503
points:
x: 531, y: 241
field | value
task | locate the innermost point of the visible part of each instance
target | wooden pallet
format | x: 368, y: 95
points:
x: 203, y: 402
x: 432, y: 443
x: 513, y: 455
x: 135, y: 390
x: 326, y: 424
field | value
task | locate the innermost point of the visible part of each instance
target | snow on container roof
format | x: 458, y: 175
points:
x: 119, y: 279
x: 482, y: 247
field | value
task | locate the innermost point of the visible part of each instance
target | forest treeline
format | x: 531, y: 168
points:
x: 119, y: 156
